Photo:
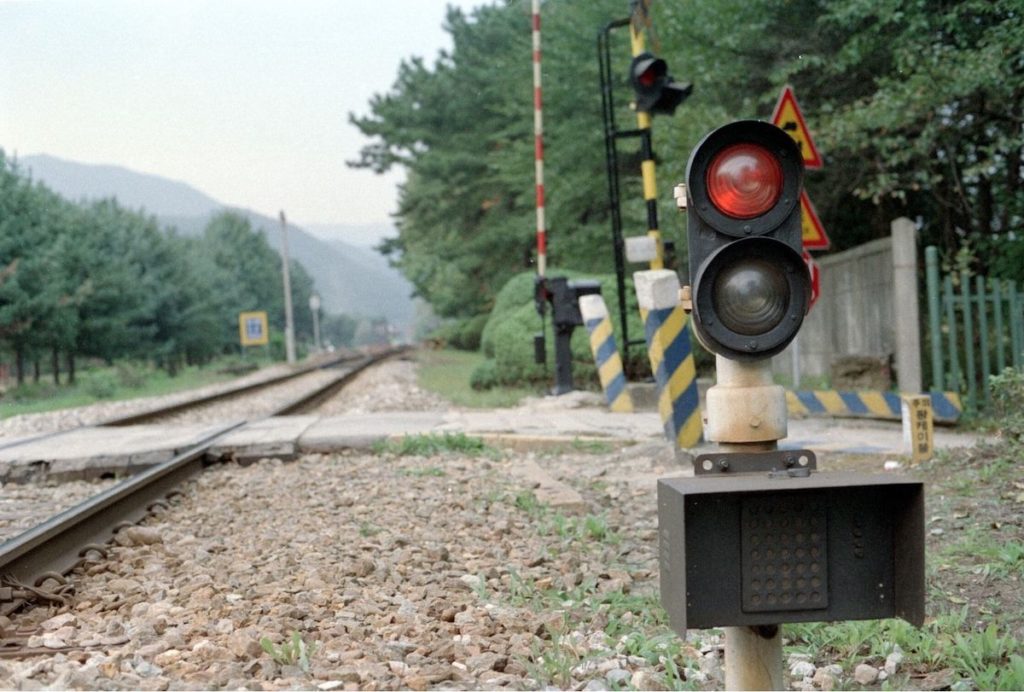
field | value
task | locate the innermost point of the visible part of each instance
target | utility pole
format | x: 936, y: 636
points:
x: 289, y: 324
x: 314, y: 307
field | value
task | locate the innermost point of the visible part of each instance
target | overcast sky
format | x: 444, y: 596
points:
x: 247, y: 101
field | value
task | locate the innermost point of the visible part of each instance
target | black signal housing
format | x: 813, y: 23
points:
x: 656, y: 91
x: 750, y: 287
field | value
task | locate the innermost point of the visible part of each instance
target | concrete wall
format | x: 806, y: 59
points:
x: 853, y: 316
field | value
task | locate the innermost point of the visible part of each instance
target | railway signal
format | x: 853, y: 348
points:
x: 656, y: 90
x: 750, y: 286
x: 757, y: 538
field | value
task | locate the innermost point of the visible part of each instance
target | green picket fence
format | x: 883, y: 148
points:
x: 976, y: 328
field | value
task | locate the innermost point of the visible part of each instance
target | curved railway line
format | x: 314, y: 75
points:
x: 34, y: 563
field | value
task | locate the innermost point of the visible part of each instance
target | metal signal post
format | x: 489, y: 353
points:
x: 655, y: 92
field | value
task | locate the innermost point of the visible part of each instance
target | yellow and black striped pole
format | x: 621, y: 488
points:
x: 643, y: 123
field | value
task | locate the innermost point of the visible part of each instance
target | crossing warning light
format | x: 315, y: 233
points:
x: 750, y: 287
x: 656, y: 91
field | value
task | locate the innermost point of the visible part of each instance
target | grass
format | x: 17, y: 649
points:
x: 578, y: 446
x: 446, y: 373
x: 571, y: 529
x: 118, y: 382
x: 433, y: 444
x: 636, y: 625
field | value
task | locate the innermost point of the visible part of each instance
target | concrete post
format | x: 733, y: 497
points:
x: 905, y: 310
x: 289, y: 324
x: 668, y: 347
x: 746, y: 412
x: 753, y: 658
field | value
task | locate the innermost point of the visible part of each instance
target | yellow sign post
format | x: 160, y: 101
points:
x: 252, y: 328
x: 918, y: 427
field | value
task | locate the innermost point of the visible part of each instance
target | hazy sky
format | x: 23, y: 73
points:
x: 247, y: 101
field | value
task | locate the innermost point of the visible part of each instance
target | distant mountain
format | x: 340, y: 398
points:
x: 158, y: 196
x: 366, y: 235
x: 350, y: 279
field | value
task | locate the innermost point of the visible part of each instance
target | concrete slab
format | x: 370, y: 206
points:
x: 362, y: 431
x: 271, y: 437
x: 584, y: 423
x: 88, y: 452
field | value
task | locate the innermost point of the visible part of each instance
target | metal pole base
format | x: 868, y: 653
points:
x: 563, y: 360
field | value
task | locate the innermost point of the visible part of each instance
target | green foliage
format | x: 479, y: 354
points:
x: 99, y: 281
x: 293, y: 652
x: 484, y: 376
x: 916, y: 106
x: 1008, y: 401
x: 464, y: 334
x: 101, y: 385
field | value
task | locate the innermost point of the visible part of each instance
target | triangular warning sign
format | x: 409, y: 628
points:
x: 811, y: 231
x: 787, y: 115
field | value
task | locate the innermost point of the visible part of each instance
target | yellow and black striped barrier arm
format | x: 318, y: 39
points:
x: 883, y: 405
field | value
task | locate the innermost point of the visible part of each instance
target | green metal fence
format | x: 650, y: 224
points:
x: 976, y: 329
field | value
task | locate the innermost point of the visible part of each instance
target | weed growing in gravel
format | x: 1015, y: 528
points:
x: 989, y: 659
x: 550, y: 523
x: 367, y: 529
x: 424, y: 471
x: 431, y: 445
x: 529, y: 503
x: 635, y: 625
x: 293, y: 652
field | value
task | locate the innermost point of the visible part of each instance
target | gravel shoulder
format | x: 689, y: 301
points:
x: 398, y: 572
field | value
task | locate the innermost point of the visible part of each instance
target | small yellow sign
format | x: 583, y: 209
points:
x: 918, y: 427
x: 252, y: 328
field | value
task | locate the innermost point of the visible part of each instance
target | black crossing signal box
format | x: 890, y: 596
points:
x: 761, y: 549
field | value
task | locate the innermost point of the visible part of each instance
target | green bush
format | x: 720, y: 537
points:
x: 484, y: 376
x: 132, y: 375
x: 102, y: 385
x: 507, y: 339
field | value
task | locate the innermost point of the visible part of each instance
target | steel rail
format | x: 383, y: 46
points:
x: 62, y: 542
x: 55, y: 546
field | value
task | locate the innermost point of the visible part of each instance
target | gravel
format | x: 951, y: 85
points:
x: 404, y: 572
x: 25, y: 506
x: 253, y: 406
x: 390, y: 386
x: 359, y: 571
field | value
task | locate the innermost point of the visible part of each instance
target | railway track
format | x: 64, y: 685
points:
x: 34, y: 564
